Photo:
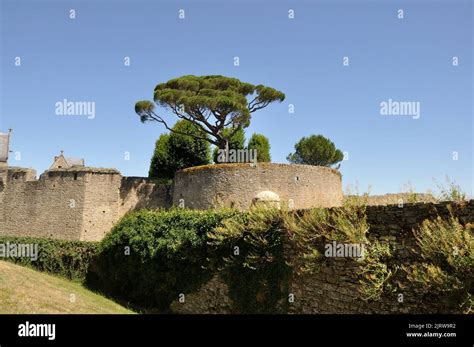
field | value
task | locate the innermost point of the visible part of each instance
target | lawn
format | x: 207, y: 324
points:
x: 23, y: 290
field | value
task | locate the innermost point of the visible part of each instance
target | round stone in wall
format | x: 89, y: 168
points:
x: 266, y: 198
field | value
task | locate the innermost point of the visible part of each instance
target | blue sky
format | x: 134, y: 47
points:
x: 408, y: 59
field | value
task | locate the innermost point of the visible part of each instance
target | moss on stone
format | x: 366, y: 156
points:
x: 251, y: 165
x: 86, y: 170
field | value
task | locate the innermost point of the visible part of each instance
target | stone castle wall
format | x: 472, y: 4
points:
x: 235, y: 185
x: 82, y: 203
x: 100, y: 210
x: 397, y: 199
x: 72, y: 204
x: 139, y: 192
x: 335, y: 288
x: 33, y: 207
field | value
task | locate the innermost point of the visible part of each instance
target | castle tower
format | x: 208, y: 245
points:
x: 4, y: 150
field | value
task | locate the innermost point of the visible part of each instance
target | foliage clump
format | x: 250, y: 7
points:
x: 450, y: 191
x: 69, y: 259
x: 252, y: 246
x: 375, y: 272
x: 213, y: 103
x: 315, y: 150
x: 447, y: 266
x: 261, y: 145
x: 267, y: 248
x: 151, y: 257
x: 175, y: 151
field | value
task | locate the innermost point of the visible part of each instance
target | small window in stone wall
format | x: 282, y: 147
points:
x: 297, y: 178
x: 75, y: 176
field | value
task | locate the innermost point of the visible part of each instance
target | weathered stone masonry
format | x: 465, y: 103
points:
x: 335, y: 289
x: 83, y: 203
x: 237, y: 185
x: 72, y: 204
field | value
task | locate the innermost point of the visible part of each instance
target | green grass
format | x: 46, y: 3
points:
x: 23, y: 290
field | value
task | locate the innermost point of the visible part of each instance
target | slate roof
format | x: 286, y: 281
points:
x: 74, y: 162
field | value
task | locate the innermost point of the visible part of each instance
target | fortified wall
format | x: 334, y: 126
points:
x: 396, y: 199
x: 335, y: 288
x: 79, y: 203
x: 241, y: 185
x: 83, y: 203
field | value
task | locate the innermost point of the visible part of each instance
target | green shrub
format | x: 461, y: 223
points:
x: 160, y: 166
x: 151, y: 257
x: 69, y: 259
x: 375, y: 272
x: 175, y: 151
x: 315, y: 150
x: 411, y: 196
x: 252, y: 245
x: 450, y: 191
x: 237, y: 141
x: 261, y: 144
x: 346, y: 224
x: 268, y: 248
x: 447, y: 266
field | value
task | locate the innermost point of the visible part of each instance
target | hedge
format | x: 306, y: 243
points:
x: 69, y: 259
x: 151, y: 257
